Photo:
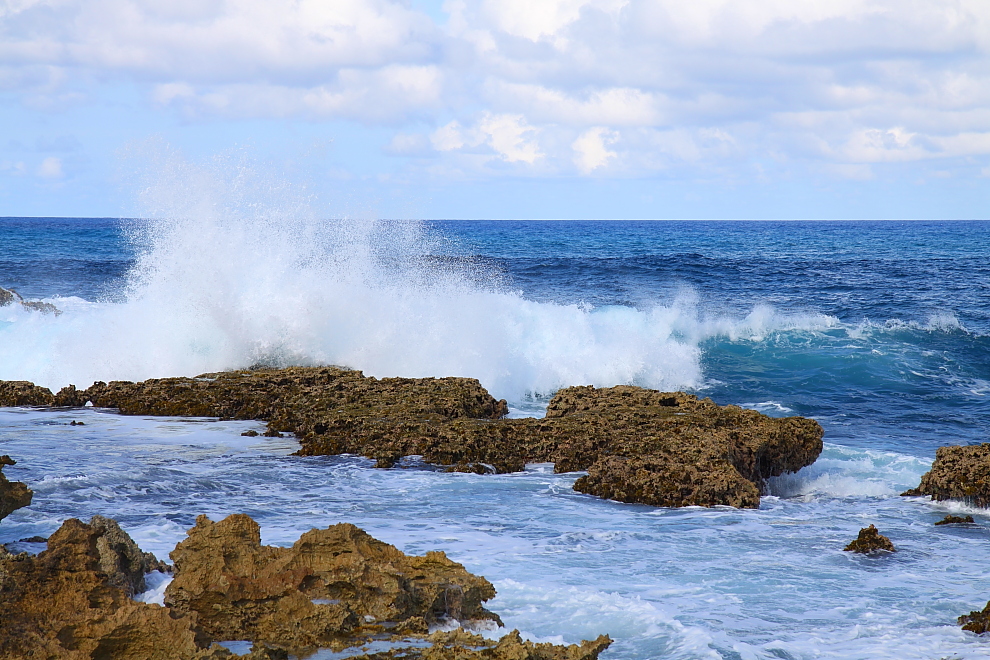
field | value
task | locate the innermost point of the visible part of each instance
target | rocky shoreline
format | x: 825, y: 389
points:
x: 334, y: 588
x: 637, y: 445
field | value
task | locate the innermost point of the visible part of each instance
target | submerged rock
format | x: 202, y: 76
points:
x: 977, y: 621
x: 331, y: 584
x: 638, y: 445
x: 958, y: 473
x: 10, y: 297
x: 13, y: 494
x: 870, y: 540
x: 336, y: 587
x: 955, y: 520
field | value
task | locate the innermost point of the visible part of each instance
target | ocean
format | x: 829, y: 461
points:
x: 878, y: 330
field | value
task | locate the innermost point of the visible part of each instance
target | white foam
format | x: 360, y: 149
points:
x: 238, y: 270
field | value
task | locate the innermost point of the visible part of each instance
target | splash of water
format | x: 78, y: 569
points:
x: 236, y: 269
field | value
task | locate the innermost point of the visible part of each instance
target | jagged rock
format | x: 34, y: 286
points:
x: 955, y: 520
x: 638, y: 445
x: 977, y: 621
x: 958, y: 473
x: 71, y: 601
x: 9, y: 297
x: 24, y: 393
x: 870, y: 540
x: 13, y: 494
x: 461, y: 645
x: 336, y: 586
x: 331, y: 584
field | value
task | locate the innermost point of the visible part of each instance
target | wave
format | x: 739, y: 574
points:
x: 237, y: 271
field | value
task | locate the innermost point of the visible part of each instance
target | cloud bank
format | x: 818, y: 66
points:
x: 586, y: 88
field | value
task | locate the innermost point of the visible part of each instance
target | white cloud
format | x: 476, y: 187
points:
x: 50, y: 168
x: 712, y: 85
x: 591, y: 151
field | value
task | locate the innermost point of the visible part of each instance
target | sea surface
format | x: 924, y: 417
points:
x: 878, y: 330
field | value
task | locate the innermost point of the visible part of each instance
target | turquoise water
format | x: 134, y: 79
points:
x: 881, y: 331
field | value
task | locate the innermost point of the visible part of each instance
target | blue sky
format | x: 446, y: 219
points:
x: 508, y: 108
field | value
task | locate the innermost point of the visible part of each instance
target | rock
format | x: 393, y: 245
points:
x: 23, y: 393
x: 71, y: 601
x: 462, y: 645
x: 870, y: 540
x: 977, y: 621
x: 9, y: 297
x: 958, y: 473
x: 955, y: 520
x: 638, y: 445
x: 336, y: 586
x: 13, y: 494
x: 332, y: 584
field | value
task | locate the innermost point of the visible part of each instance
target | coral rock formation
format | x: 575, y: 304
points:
x: 958, y: 473
x: 331, y: 584
x: 461, y: 645
x: 870, y: 540
x: 977, y: 621
x: 71, y: 601
x: 13, y: 494
x: 955, y: 520
x: 335, y: 588
x: 638, y: 445
x: 9, y: 297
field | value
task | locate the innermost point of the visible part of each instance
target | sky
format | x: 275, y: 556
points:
x: 506, y: 109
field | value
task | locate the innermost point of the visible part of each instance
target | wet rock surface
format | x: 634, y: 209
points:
x: 977, y: 621
x: 870, y: 540
x: 955, y: 520
x: 461, y: 645
x: 333, y: 588
x: 958, y: 473
x: 13, y: 494
x: 72, y: 601
x: 332, y: 584
x: 11, y: 297
x: 638, y: 445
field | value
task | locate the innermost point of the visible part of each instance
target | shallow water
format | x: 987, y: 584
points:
x: 664, y: 583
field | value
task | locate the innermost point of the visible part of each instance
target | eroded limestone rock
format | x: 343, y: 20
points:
x: 332, y: 584
x: 638, y: 445
x: 336, y: 588
x: 10, y: 297
x: 958, y: 473
x: 461, y: 645
x: 977, y: 621
x: 955, y: 520
x: 870, y: 540
x: 13, y: 494
x: 71, y: 601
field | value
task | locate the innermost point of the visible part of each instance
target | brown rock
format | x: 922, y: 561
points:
x: 955, y: 520
x: 23, y: 393
x: 330, y: 585
x: 461, y: 645
x: 870, y: 540
x: 9, y: 297
x: 13, y: 494
x: 638, y: 445
x: 71, y: 601
x: 977, y: 621
x: 958, y: 473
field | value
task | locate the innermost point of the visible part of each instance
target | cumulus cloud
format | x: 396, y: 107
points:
x: 617, y: 87
x: 50, y: 168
